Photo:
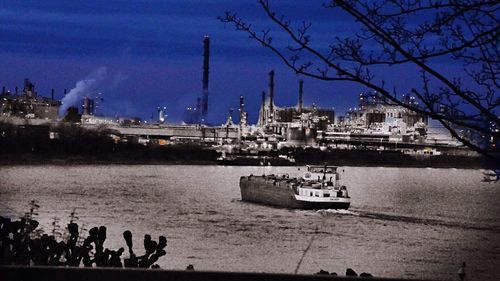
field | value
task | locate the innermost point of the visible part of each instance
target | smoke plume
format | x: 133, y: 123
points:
x: 88, y: 86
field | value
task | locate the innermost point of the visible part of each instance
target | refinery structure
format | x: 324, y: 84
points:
x: 373, y: 124
x: 28, y: 104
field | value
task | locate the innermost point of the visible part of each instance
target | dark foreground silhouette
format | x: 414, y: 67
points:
x: 349, y: 272
x: 21, y: 245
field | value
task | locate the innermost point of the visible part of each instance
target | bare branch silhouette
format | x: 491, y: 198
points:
x: 409, y: 33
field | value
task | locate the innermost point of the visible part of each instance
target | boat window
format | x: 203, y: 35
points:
x: 316, y: 194
x: 311, y: 194
x: 326, y: 194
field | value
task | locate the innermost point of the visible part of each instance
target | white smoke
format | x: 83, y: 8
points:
x: 87, y: 87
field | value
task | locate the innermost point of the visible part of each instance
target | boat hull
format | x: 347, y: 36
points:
x: 271, y: 192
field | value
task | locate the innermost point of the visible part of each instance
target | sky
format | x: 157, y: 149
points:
x: 138, y: 55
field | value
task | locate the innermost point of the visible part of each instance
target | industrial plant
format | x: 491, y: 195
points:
x: 374, y: 124
x: 28, y: 104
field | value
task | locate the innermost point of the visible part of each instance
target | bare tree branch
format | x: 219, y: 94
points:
x: 460, y: 30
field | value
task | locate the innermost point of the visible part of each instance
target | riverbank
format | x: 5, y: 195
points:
x: 374, y: 158
x: 68, y: 144
x: 195, y: 155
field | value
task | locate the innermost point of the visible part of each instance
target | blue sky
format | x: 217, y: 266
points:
x: 152, y: 53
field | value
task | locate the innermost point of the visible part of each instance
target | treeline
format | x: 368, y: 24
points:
x: 74, y: 144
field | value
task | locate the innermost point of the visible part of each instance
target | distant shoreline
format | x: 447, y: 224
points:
x: 338, y: 158
x: 73, y: 145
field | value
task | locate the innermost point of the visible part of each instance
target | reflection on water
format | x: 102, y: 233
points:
x: 404, y: 222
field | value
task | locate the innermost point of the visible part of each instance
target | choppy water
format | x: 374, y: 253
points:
x: 404, y: 222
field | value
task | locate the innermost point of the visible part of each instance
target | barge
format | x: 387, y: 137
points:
x: 318, y: 188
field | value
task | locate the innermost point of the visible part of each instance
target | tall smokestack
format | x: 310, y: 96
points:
x: 263, y: 107
x: 52, y: 94
x: 91, y: 107
x: 301, y: 85
x: 271, y: 90
x: 3, y: 90
x: 65, y: 91
x: 206, y: 59
x: 242, y: 107
x: 29, y: 88
x: 85, y: 106
x: 197, y: 116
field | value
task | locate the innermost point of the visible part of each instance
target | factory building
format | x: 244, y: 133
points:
x: 28, y: 104
x: 374, y: 111
x: 296, y: 125
x: 376, y: 116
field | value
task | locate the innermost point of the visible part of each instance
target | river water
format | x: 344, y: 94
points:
x: 403, y: 222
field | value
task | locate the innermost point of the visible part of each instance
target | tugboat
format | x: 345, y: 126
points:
x: 318, y: 188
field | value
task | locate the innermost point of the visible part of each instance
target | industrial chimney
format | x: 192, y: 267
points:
x: 88, y: 106
x: 271, y: 91
x: 197, y: 116
x: 299, y: 107
x: 242, y: 106
x: 263, y: 109
x: 29, y: 89
x: 206, y: 59
x: 271, y: 97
